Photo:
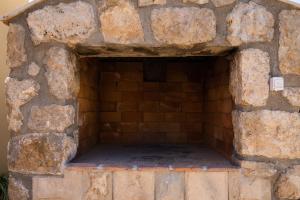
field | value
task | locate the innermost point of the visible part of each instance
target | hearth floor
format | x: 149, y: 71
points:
x: 182, y: 157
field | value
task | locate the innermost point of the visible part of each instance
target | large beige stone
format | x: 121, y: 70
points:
x: 292, y: 95
x: 255, y: 188
x: 207, y: 185
x: 76, y: 184
x: 183, y: 26
x: 16, y: 53
x: 250, y: 22
x: 18, y: 93
x: 69, y: 23
x: 120, y: 23
x: 16, y: 190
x: 62, y: 73
x: 249, y: 77
x: 288, y: 186
x: 196, y: 1
x: 169, y: 186
x: 257, y: 169
x: 220, y: 3
x: 133, y: 185
x: 53, y: 118
x: 272, y: 134
x: 40, y: 153
x: 289, y: 42
x: 100, y: 186
x: 151, y: 2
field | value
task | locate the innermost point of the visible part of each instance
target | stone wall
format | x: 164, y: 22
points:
x: 44, y: 43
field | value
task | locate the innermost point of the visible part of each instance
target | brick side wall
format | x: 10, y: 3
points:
x: 217, y: 107
x: 88, y: 100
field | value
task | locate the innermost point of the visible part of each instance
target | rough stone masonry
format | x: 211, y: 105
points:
x: 46, y: 39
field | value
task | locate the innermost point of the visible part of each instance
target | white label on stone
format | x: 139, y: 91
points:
x: 277, y: 84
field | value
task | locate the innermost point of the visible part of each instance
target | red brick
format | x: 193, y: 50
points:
x: 109, y: 126
x: 172, y: 96
x: 193, y: 97
x: 151, y: 96
x: 176, y: 138
x: 154, y: 138
x: 109, y: 137
x: 131, y: 116
x: 191, y: 127
x: 107, y: 95
x: 131, y: 86
x: 132, y: 96
x: 132, y: 76
x: 106, y: 106
x: 149, y: 106
x: 110, y: 117
x: 192, y: 107
x: 151, y: 86
x: 129, y: 66
x: 176, y: 76
x: 109, y: 85
x: 192, y: 87
x: 110, y: 76
x: 170, y: 127
x: 175, y: 117
x: 153, y: 117
x: 194, y: 117
x: 169, y: 106
x: 129, y: 127
x: 127, y: 106
x: 150, y: 127
x: 171, y: 87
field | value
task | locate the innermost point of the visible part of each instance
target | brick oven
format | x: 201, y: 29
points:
x: 154, y: 100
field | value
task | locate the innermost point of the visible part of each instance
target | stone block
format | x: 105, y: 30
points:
x: 62, y: 73
x: 53, y: 118
x: 70, y: 23
x: 292, y: 95
x: 40, y: 153
x: 33, y: 69
x: 16, y: 52
x: 272, y: 134
x: 120, y: 23
x: 288, y: 185
x: 183, y: 26
x: 169, y: 186
x: 249, y: 22
x: 220, y: 3
x: 196, y: 1
x: 249, y: 77
x: 207, y: 185
x: 16, y: 190
x: 18, y: 93
x: 151, y: 2
x: 133, y: 185
x: 255, y: 188
x: 289, y: 48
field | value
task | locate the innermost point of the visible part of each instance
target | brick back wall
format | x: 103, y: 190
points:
x: 89, y: 105
x: 134, y: 111
x: 217, y: 107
